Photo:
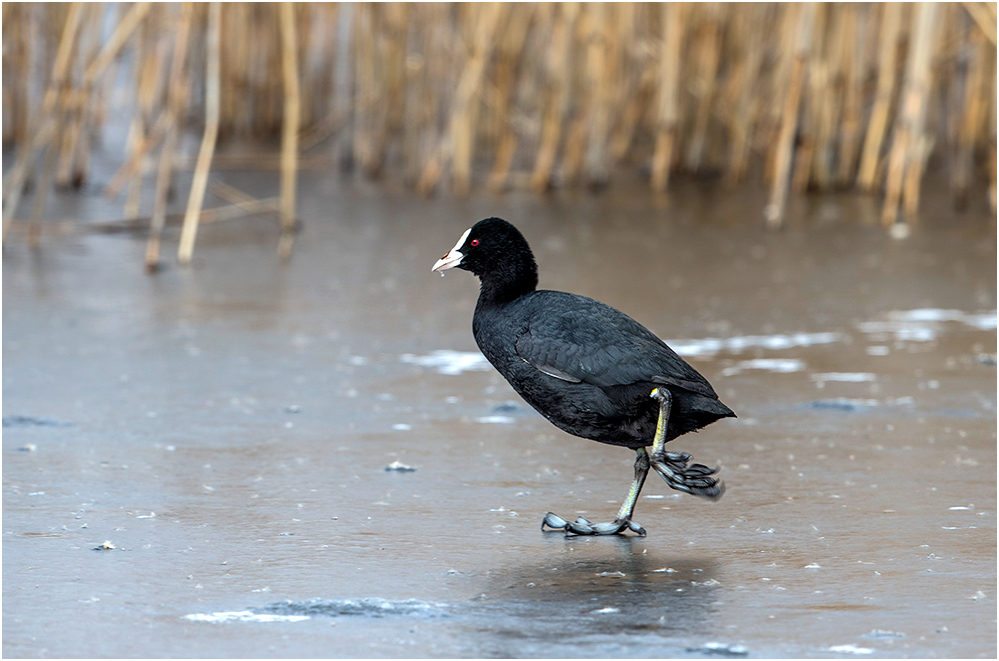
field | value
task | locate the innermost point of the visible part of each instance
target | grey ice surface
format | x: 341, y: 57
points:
x: 222, y: 431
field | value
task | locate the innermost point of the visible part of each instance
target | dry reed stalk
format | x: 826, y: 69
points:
x: 44, y: 186
x: 778, y: 196
x: 319, y: 131
x: 416, y: 116
x: 907, y: 147
x: 826, y: 83
x: 984, y: 14
x: 581, y: 103
x: 175, y: 97
x: 990, y: 160
x: 813, y: 104
x: 514, y: 39
x: 343, y: 84
x: 557, y: 77
x: 891, y: 23
x: 367, y: 105
x: 136, y: 154
x: 113, y: 45
x: 74, y: 160
x: 71, y: 119
x: 778, y: 84
x: 289, y: 139
x: 257, y: 161
x: 952, y: 58
x: 504, y: 157
x: 47, y: 119
x: 16, y: 18
x: 630, y: 96
x: 265, y: 205
x: 54, y: 107
x: 639, y: 79
x: 575, y: 138
x: 321, y: 75
x: 600, y: 51
x: 575, y: 146
x: 456, y: 144
x: 748, y: 74
x: 669, y: 90
x: 241, y: 209
x: 852, y: 54
x: 914, y: 173
x: 379, y: 85
x: 975, y: 89
x: 462, y: 131
x: 56, y: 227
x: 707, y: 58
x: 232, y: 195
x: 190, y: 230
x: 396, y: 28
x: 48, y: 123
x: 635, y: 106
x: 151, y: 77
x: 136, y: 130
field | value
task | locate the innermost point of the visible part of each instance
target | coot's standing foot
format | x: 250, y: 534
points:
x: 672, y: 466
x: 583, y: 526
x: 621, y: 523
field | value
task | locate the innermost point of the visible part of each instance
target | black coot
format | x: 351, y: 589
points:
x: 590, y: 369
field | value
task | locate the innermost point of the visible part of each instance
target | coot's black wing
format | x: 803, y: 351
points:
x: 578, y: 339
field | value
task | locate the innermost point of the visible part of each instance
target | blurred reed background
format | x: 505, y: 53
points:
x: 465, y: 96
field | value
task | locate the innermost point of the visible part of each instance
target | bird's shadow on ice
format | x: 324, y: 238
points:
x: 605, y: 586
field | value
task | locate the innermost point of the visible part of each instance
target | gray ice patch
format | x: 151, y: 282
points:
x: 33, y: 421
x: 719, y: 649
x: 366, y: 607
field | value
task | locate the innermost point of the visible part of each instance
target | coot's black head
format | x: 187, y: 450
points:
x: 497, y: 252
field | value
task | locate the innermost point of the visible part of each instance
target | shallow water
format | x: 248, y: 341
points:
x: 239, y: 431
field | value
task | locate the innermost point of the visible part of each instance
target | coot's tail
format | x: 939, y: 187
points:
x: 693, y: 411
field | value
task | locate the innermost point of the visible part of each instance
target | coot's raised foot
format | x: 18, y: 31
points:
x: 695, y: 479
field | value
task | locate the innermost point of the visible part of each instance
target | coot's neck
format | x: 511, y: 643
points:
x: 508, y: 281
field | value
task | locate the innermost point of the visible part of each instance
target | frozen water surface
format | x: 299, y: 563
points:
x: 171, y: 394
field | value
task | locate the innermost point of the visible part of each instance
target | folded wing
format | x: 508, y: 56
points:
x: 596, y: 344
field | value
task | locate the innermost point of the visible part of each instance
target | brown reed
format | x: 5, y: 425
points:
x: 460, y: 96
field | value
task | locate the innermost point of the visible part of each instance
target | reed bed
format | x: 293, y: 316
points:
x: 457, y: 97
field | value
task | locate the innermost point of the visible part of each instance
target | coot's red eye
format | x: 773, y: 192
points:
x: 475, y: 242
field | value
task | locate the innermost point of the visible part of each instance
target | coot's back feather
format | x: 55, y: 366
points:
x: 597, y: 344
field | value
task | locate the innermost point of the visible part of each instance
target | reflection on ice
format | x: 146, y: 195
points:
x: 848, y: 377
x: 980, y: 320
x: 367, y: 606
x: 451, y: 362
x: 782, y: 365
x: 924, y: 324
x: 720, y: 649
x: 711, y: 345
x: 243, y: 616
x: 296, y: 611
x: 851, y: 649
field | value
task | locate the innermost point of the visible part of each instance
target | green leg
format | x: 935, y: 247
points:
x: 623, y: 522
x: 672, y: 466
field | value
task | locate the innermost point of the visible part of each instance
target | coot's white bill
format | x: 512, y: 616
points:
x: 454, y: 256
